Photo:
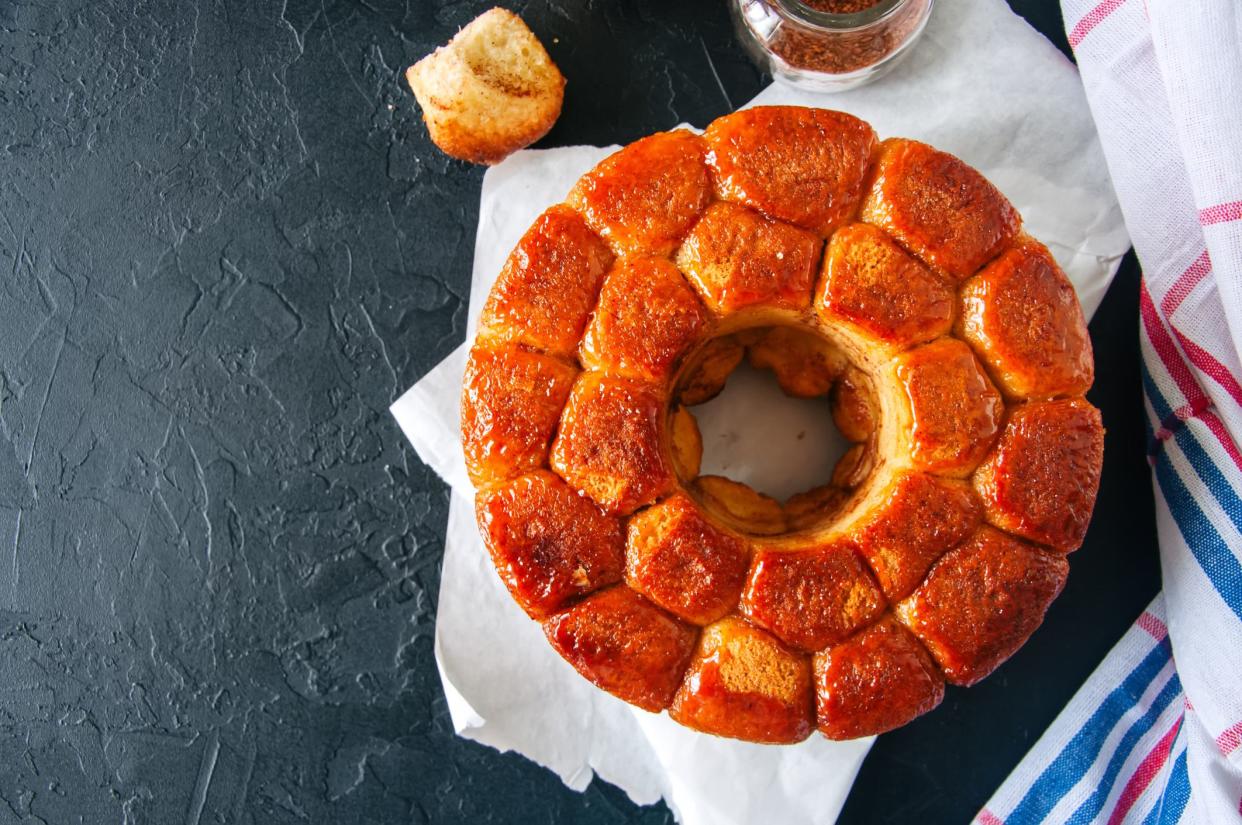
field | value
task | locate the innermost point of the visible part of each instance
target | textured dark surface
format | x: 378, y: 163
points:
x: 226, y: 246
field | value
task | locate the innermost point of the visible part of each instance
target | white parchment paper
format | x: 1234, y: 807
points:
x: 982, y: 85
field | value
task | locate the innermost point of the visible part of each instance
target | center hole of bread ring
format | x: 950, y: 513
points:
x: 786, y: 425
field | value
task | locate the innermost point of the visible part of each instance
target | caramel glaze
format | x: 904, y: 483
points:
x: 645, y: 321
x: 644, y: 199
x: 981, y: 601
x: 1040, y: 482
x: 870, y: 282
x: 683, y: 563
x: 745, y: 684
x: 919, y: 518
x: 939, y: 208
x: 609, y: 446
x: 811, y: 597
x: 876, y: 681
x: 511, y: 402
x: 624, y: 644
x: 802, y: 166
x: 891, y: 276
x: 547, y: 288
x: 952, y: 409
x: 1023, y: 319
x: 549, y: 544
x: 737, y: 258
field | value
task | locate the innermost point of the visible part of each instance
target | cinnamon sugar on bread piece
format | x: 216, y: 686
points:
x: 609, y: 445
x: 491, y: 91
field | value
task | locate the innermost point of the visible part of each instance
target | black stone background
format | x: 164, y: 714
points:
x: 226, y: 245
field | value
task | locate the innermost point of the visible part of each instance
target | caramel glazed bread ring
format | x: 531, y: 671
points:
x: 889, y: 275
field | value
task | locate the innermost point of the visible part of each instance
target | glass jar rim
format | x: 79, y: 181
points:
x: 829, y: 21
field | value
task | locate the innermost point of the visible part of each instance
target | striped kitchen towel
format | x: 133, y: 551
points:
x: 1156, y: 733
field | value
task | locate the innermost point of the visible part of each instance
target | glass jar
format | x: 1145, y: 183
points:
x: 820, y: 51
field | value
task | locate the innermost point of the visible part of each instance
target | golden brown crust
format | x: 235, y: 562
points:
x: 1041, y: 481
x: 511, y: 401
x: 711, y: 366
x: 680, y: 561
x: 916, y: 520
x: 548, y: 286
x: 870, y: 283
x: 741, y: 507
x: 609, y: 444
x: 815, y: 506
x: 811, y: 598
x: 953, y: 411
x: 854, y: 467
x: 644, y: 198
x: 854, y: 408
x: 1023, y: 319
x: 491, y: 91
x: 646, y: 319
x: 736, y: 259
x: 624, y: 644
x: 887, y: 574
x: 939, y: 208
x: 549, y: 545
x: 744, y: 684
x: 804, y: 166
x: 686, y: 444
x: 874, y: 682
x: 981, y: 602
x: 805, y: 364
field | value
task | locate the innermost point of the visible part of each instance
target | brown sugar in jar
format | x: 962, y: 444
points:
x: 840, y: 6
x: 829, y: 45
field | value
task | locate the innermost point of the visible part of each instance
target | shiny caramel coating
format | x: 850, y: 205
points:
x: 804, y: 166
x: 873, y: 682
x: 811, y: 598
x: 744, y: 684
x: 1041, y: 481
x: 644, y: 198
x: 511, y: 401
x: 549, y: 544
x: 805, y: 364
x: 853, y: 403
x: 872, y: 284
x: 981, y: 602
x: 679, y: 560
x: 609, y: 445
x: 953, y: 412
x: 1023, y: 319
x: 736, y: 259
x: 624, y: 644
x: 741, y: 507
x: 815, y: 506
x: 939, y: 208
x: 548, y: 285
x: 710, y: 370
x: 918, y: 518
x: 646, y: 319
x: 889, y: 276
x: 686, y: 443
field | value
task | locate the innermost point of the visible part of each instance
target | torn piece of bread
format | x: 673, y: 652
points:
x: 491, y: 91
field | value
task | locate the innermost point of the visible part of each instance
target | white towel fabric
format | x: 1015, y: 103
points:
x: 1156, y: 733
